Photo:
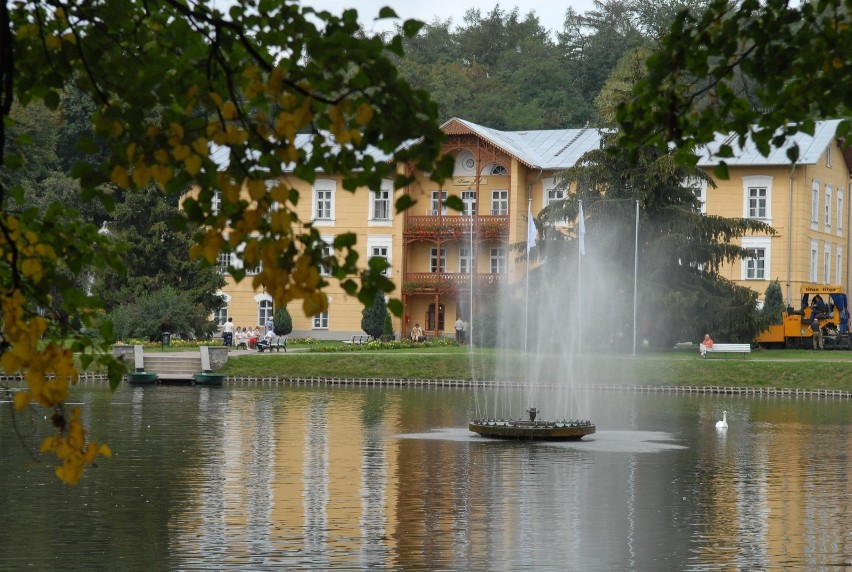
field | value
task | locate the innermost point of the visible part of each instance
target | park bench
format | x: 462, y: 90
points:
x: 357, y: 340
x: 729, y: 349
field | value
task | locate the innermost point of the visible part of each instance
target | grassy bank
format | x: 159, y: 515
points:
x: 780, y: 369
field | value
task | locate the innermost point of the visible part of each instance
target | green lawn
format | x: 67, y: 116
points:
x: 801, y: 369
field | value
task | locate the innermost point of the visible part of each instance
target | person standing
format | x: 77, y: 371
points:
x: 817, y: 337
x: 459, y: 331
x: 228, y: 333
x: 705, y: 345
x: 270, y: 325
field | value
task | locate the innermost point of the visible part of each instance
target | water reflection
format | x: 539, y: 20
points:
x: 300, y: 478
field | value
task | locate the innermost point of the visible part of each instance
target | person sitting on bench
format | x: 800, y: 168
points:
x: 416, y: 333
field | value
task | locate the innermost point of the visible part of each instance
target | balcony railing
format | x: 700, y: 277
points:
x: 448, y: 282
x: 484, y: 227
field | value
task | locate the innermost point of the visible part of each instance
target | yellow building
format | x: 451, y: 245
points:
x: 435, y: 253
x: 806, y: 204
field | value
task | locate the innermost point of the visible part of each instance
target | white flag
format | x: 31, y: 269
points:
x: 532, y: 231
x: 581, y: 231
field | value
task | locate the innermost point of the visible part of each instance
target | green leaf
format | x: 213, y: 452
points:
x: 395, y: 306
x: 403, y: 203
x: 454, y: 202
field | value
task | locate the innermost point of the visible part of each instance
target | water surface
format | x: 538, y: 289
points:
x: 263, y: 478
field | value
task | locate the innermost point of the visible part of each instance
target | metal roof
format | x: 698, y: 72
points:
x: 810, y: 148
x: 559, y: 149
x: 550, y: 149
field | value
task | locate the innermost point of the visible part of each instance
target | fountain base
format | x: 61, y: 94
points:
x: 532, y: 430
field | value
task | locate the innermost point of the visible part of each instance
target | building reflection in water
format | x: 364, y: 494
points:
x: 320, y: 479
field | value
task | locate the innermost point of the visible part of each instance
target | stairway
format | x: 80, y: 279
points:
x: 174, y: 367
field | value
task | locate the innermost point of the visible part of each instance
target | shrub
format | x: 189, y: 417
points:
x: 373, y: 318
x: 282, y: 322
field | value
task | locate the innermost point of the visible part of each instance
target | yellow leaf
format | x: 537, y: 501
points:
x: 181, y: 152
x: 22, y: 399
x: 229, y: 110
x: 256, y: 188
x: 120, y: 176
x: 200, y: 146
x: 192, y: 164
x: 52, y: 42
x: 364, y: 113
x: 177, y: 129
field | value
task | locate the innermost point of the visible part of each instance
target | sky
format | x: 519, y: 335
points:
x: 551, y: 13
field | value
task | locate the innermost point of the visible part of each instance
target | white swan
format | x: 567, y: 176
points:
x: 723, y: 424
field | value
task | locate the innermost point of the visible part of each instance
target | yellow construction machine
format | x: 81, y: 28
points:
x: 826, y: 303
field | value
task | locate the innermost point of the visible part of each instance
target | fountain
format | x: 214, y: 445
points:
x: 531, y: 429
x: 537, y: 323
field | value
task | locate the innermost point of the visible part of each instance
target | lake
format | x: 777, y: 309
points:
x: 306, y: 478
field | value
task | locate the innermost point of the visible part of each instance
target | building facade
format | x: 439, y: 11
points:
x: 442, y: 260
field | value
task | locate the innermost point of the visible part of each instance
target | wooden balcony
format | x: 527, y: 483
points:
x: 448, y: 282
x: 491, y: 227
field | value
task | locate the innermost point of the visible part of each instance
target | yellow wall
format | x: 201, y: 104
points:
x: 794, y: 234
x: 351, y: 213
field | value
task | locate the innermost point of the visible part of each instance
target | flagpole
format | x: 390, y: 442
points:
x: 581, y: 231
x: 530, y: 234
x: 635, y: 277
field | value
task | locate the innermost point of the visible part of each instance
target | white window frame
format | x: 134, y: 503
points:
x: 436, y: 265
x: 699, y: 189
x: 828, y: 151
x: 439, y: 203
x: 814, y: 250
x: 500, y: 202
x: 755, y: 183
x: 495, y: 170
x: 265, y: 308
x: 840, y: 211
x: 551, y: 192
x: 220, y: 316
x: 827, y: 214
x: 216, y: 203
x: 378, y: 244
x: 498, y: 260
x: 751, y: 265
x: 320, y: 321
x: 223, y: 262
x: 465, y: 260
x: 327, y: 251
x: 468, y: 197
x: 838, y: 265
x: 328, y: 189
x: 826, y: 263
x: 814, y: 204
x: 381, y: 201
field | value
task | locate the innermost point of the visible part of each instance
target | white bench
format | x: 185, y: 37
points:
x: 729, y: 349
x: 358, y: 340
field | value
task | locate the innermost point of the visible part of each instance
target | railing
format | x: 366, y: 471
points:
x: 484, y: 227
x: 447, y: 282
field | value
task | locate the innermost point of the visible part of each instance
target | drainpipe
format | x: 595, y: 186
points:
x: 790, y: 236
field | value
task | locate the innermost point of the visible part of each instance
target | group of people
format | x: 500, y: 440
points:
x: 246, y: 337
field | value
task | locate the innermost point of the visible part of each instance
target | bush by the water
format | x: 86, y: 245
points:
x: 164, y: 310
